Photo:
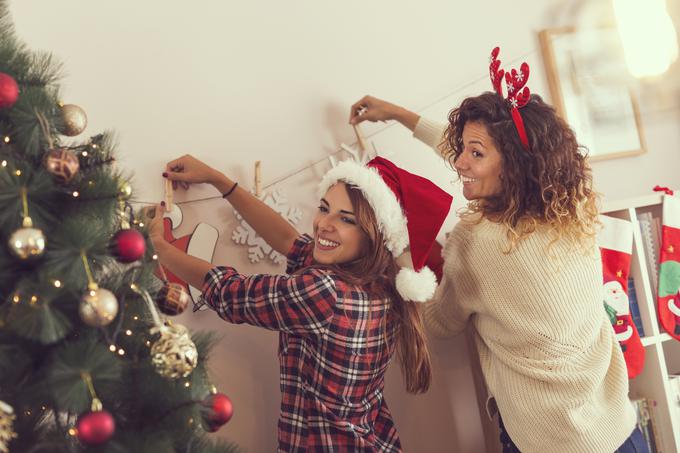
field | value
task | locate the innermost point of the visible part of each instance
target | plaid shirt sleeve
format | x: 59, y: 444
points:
x: 300, y: 255
x: 300, y: 304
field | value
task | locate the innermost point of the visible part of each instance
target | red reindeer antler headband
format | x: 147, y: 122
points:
x: 518, y: 92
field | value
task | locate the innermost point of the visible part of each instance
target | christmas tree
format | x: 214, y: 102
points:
x: 88, y: 362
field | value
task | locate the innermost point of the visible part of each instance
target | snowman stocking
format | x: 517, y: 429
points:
x: 616, y: 245
x: 669, y: 267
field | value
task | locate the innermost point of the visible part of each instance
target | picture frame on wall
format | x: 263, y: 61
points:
x: 587, y: 78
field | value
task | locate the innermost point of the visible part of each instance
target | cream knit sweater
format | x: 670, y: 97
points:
x: 546, y: 346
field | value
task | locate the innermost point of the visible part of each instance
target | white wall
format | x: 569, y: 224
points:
x: 235, y: 82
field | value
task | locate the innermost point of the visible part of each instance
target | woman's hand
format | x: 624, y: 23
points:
x: 153, y: 218
x: 373, y: 109
x: 188, y: 170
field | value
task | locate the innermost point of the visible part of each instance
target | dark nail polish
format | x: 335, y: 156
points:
x: 162, y: 203
x: 165, y: 175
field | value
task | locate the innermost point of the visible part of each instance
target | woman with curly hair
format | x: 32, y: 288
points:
x: 522, y: 266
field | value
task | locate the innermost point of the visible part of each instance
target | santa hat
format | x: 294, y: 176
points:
x: 410, y: 211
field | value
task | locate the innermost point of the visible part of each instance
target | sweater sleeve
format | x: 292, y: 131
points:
x: 444, y: 315
x: 431, y: 133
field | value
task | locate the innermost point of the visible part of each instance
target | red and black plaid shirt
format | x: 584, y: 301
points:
x: 335, y: 343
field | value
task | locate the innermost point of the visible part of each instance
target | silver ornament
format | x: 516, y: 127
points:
x: 74, y: 120
x: 98, y: 307
x: 27, y: 242
x: 174, y: 354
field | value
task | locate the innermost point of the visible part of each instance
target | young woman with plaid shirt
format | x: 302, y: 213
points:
x: 338, y: 309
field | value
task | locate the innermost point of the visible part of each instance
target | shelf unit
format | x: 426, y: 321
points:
x: 662, y: 356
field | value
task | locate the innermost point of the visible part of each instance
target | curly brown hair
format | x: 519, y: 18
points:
x: 550, y: 184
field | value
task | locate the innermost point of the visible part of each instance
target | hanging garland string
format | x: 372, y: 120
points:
x: 375, y: 134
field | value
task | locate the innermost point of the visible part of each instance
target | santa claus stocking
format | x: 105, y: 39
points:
x: 616, y: 245
x: 669, y: 267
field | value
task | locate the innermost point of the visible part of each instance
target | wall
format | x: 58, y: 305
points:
x: 235, y: 82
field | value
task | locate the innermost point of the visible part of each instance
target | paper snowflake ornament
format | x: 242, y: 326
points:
x: 258, y: 248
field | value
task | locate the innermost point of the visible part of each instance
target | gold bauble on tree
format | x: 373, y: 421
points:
x: 174, y: 354
x: 27, y: 243
x: 73, y: 120
x: 124, y: 190
x: 63, y: 164
x: 6, y: 426
x: 98, y: 307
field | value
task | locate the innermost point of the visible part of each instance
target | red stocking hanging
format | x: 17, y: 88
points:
x: 669, y: 267
x: 616, y: 245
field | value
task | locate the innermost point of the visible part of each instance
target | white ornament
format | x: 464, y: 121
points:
x: 519, y: 77
x: 513, y: 103
x: 244, y: 234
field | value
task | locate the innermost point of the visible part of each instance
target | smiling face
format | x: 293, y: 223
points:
x: 338, y: 238
x: 479, y: 165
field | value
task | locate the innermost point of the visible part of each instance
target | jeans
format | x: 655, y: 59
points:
x: 634, y: 444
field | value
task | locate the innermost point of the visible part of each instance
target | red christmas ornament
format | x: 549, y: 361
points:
x: 217, y: 410
x: 95, y: 428
x: 9, y: 91
x: 128, y: 245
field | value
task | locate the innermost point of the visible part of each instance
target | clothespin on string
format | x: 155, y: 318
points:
x: 361, y: 140
x: 168, y: 194
x: 258, y: 179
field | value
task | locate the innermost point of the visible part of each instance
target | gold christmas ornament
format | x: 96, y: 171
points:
x: 124, y: 190
x: 174, y: 354
x: 63, y: 164
x: 74, y: 120
x: 27, y: 243
x: 6, y: 426
x: 172, y: 299
x: 98, y: 307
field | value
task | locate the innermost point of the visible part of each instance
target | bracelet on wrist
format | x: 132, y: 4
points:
x: 227, y: 193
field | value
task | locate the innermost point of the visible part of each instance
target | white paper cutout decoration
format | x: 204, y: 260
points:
x: 244, y: 234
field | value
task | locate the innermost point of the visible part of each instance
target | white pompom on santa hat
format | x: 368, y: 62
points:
x: 410, y: 211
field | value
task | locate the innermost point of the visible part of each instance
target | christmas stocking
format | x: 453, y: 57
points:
x: 201, y: 244
x: 616, y: 245
x: 669, y: 267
